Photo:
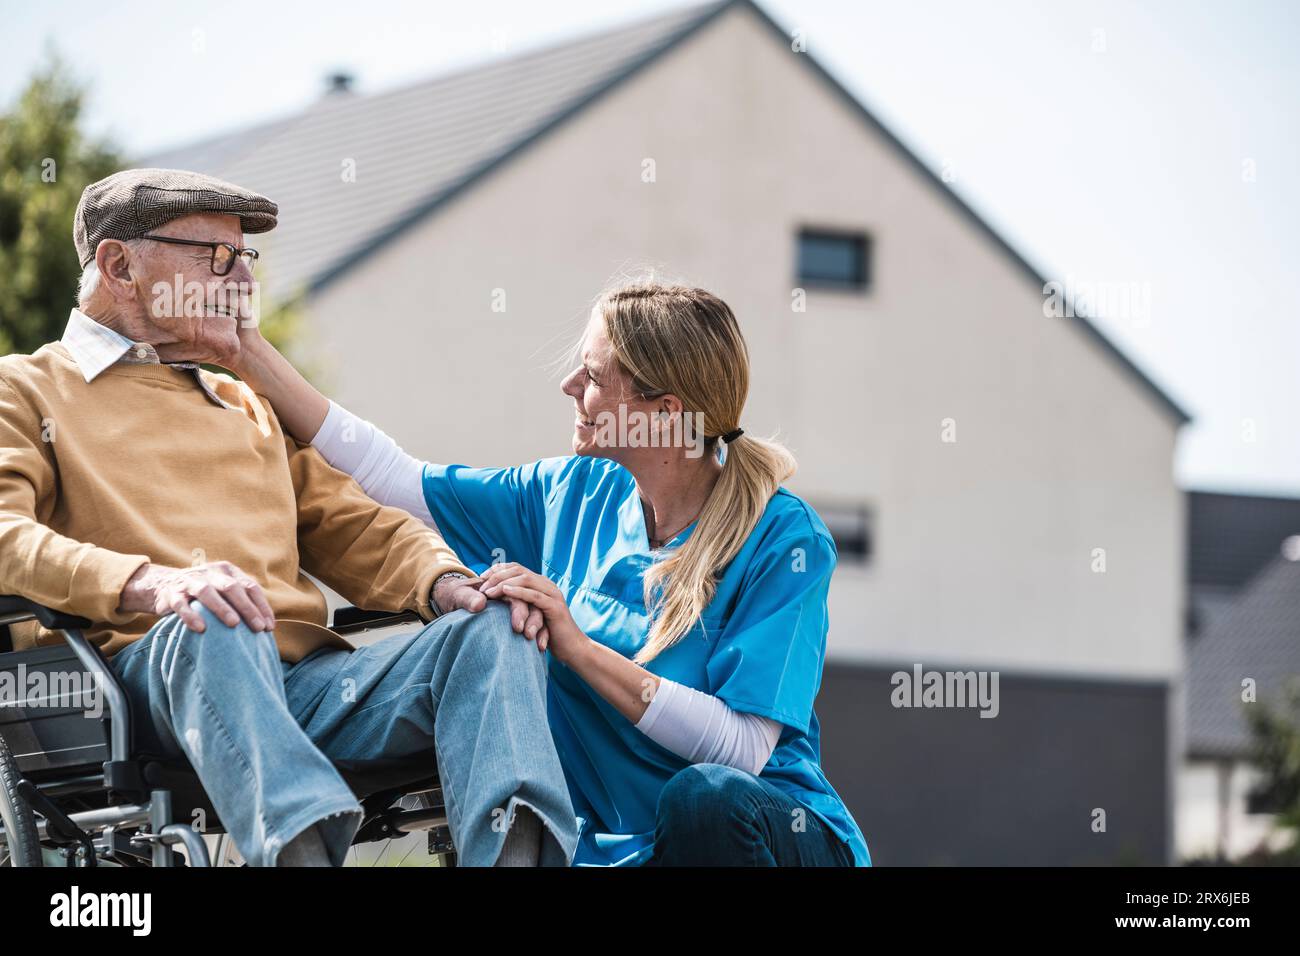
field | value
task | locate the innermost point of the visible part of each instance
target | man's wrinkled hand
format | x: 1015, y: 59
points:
x: 450, y: 594
x: 219, y: 586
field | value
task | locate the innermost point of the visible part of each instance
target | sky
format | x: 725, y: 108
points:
x: 1147, y: 148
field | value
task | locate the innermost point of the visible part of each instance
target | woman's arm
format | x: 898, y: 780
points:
x: 377, y: 463
x: 696, y: 726
x: 349, y: 443
x: 300, y: 408
x: 692, y: 724
x: 703, y: 729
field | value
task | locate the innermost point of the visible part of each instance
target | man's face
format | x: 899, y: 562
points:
x: 181, y: 303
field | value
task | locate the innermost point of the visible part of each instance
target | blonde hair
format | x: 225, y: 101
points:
x: 674, y: 338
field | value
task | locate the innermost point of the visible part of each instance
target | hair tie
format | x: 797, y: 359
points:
x: 732, y: 435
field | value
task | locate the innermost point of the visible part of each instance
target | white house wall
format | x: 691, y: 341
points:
x: 984, y: 548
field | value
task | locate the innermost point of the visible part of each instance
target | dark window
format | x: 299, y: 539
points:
x: 850, y: 526
x: 836, y: 260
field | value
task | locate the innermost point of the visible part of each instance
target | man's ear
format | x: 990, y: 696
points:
x: 113, y: 260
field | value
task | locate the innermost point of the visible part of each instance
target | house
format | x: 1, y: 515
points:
x: 1243, y: 648
x: 999, y: 478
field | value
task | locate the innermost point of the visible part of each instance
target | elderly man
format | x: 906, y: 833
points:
x: 165, y: 503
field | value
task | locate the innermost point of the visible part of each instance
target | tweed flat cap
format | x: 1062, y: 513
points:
x: 133, y: 202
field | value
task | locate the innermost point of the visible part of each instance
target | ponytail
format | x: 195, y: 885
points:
x: 684, y: 340
x: 680, y: 587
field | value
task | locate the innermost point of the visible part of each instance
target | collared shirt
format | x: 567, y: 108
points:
x: 95, y: 347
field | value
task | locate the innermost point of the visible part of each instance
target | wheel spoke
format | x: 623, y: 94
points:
x: 402, y: 861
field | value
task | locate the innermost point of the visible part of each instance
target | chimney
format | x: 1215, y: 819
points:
x: 340, y: 81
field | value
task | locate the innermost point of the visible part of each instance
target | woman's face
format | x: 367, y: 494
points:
x: 598, y: 386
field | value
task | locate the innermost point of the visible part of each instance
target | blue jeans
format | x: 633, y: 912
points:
x: 712, y: 815
x: 261, y: 733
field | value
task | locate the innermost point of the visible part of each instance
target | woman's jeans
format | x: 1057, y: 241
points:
x: 712, y: 815
x: 261, y: 733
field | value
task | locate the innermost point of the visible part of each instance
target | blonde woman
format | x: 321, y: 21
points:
x: 679, y: 590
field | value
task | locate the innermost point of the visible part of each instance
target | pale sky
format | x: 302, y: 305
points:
x: 1155, y: 144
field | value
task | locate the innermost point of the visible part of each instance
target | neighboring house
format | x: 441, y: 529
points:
x: 999, y: 482
x: 1244, y: 577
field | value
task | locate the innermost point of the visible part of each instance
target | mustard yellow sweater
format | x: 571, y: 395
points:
x: 96, y: 478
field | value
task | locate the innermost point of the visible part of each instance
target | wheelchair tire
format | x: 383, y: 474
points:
x: 20, y: 845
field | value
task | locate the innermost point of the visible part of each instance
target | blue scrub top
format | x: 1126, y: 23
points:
x: 759, y: 645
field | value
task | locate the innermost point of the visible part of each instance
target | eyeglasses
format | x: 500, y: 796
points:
x: 223, y: 253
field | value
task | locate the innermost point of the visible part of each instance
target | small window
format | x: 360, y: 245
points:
x: 850, y: 526
x: 834, y: 260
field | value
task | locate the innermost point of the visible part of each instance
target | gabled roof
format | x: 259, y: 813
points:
x: 1256, y: 636
x: 418, y: 147
x: 414, y: 147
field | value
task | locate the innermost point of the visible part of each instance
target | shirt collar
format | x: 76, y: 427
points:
x: 94, y: 347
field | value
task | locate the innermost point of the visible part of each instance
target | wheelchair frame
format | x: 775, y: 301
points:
x: 132, y: 795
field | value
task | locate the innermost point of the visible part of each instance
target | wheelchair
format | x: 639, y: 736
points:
x: 75, y: 791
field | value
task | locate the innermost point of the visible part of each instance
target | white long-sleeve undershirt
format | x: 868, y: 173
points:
x: 696, y: 726
x: 386, y: 472
x: 701, y: 728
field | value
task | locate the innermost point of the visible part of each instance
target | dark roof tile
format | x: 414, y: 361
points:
x: 1255, y: 636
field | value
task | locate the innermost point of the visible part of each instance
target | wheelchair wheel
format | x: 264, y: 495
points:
x: 20, y: 845
x: 409, y: 850
x: 225, y: 853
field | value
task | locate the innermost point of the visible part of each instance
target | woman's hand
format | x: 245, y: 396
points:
x: 625, y: 684
x: 253, y: 347
x: 300, y: 408
x: 558, y: 631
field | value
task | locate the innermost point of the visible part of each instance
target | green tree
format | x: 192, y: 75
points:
x: 1276, y: 731
x: 46, y: 160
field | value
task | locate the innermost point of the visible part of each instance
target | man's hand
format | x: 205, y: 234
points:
x: 453, y: 592
x: 219, y: 586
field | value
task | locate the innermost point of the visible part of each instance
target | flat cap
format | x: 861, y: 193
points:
x: 129, y: 204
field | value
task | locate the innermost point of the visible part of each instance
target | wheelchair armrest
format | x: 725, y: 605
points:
x: 14, y: 608
x: 346, y: 619
x: 349, y: 620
